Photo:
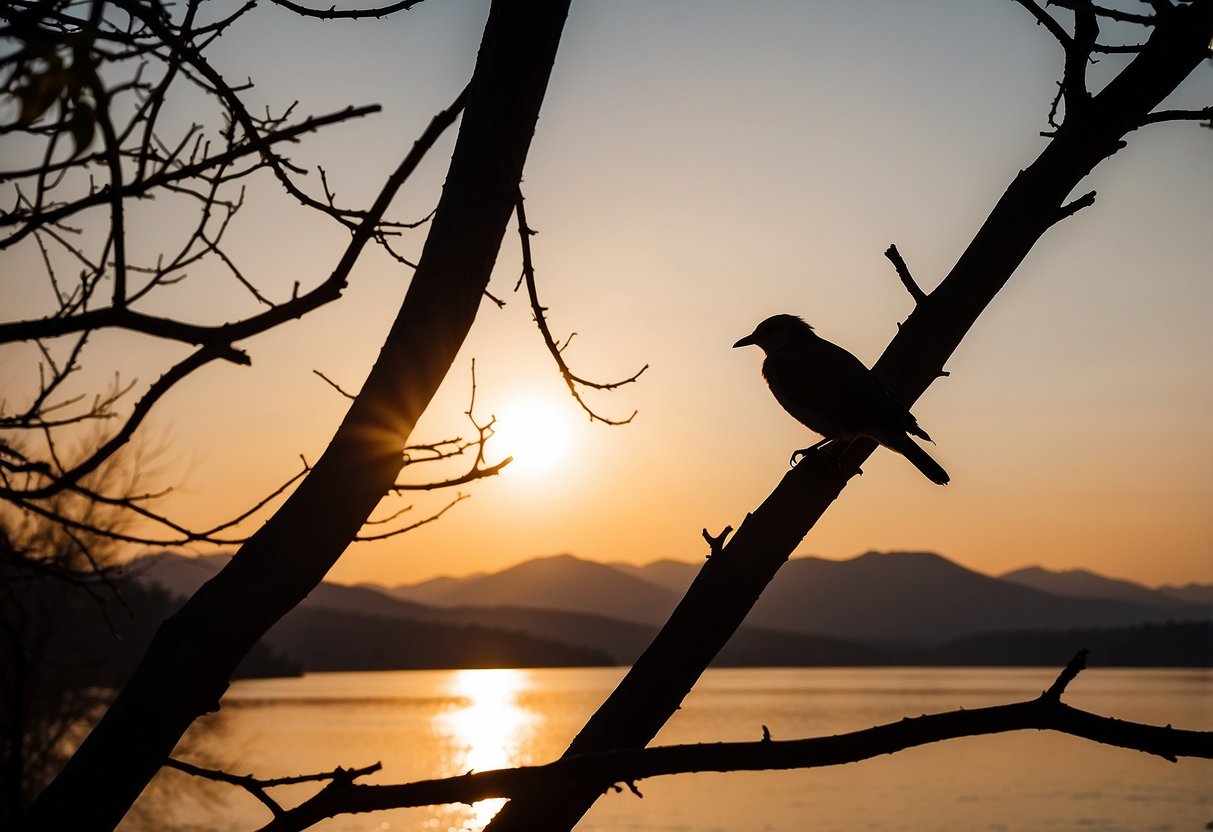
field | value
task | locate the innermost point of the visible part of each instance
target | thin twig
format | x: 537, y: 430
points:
x: 1074, y: 206
x: 459, y: 498
x: 335, y: 385
x: 903, y: 271
x: 333, y: 13
x: 716, y: 542
x: 571, y: 380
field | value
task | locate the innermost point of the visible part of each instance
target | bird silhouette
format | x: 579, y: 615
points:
x: 830, y: 391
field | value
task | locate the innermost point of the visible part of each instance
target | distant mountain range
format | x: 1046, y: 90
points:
x: 895, y: 608
x: 562, y: 582
x: 1080, y: 583
x: 915, y: 597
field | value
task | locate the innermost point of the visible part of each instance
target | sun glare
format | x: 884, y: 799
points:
x: 488, y: 730
x: 535, y: 433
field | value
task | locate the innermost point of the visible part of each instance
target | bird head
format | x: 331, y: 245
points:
x: 776, y: 333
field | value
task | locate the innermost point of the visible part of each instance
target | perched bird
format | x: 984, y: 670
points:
x: 831, y: 392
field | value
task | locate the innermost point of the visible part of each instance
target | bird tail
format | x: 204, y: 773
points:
x: 930, y: 469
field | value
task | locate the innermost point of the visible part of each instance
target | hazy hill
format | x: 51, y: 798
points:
x: 327, y: 639
x: 674, y: 575
x: 626, y: 640
x: 176, y: 574
x: 181, y: 576
x: 354, y: 628
x: 1079, y: 583
x: 922, y: 597
x: 561, y: 582
x: 874, y: 609
x: 1192, y: 593
x: 426, y: 592
x: 895, y: 597
x: 677, y: 576
x: 365, y: 628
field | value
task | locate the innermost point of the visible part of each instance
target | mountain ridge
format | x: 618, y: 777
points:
x: 554, y: 582
x: 874, y: 609
x: 1084, y: 583
x: 876, y: 596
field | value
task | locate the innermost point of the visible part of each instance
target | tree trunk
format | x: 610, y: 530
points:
x: 187, y: 667
x: 733, y: 578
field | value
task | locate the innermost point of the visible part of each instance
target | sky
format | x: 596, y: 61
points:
x: 696, y: 168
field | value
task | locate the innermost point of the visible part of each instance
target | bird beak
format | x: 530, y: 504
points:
x: 745, y: 342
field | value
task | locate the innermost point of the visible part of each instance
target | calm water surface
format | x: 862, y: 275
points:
x: 423, y: 724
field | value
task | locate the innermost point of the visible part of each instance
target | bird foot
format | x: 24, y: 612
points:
x: 803, y: 452
x: 798, y: 456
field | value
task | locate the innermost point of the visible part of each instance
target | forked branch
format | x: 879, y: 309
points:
x: 27, y: 481
x: 258, y: 787
x: 444, y: 449
x: 456, y: 447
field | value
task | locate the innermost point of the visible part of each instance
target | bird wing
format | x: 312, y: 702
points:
x: 832, y: 392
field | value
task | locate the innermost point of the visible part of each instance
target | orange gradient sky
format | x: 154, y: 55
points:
x: 696, y: 168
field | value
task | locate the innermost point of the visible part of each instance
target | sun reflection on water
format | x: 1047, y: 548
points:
x: 485, y: 729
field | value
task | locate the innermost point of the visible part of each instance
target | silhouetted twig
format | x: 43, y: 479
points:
x: 1178, y: 115
x: 456, y: 447
x: 366, y: 538
x: 135, y: 162
x: 257, y: 787
x: 903, y: 271
x: 1069, y: 673
x: 333, y: 13
x: 571, y: 380
x: 716, y: 542
x: 335, y: 385
x: 1074, y: 206
x: 1103, y: 11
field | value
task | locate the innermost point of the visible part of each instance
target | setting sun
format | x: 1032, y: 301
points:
x: 534, y: 432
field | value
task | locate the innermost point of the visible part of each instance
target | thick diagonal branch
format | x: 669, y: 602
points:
x: 191, y: 659
x: 732, y: 580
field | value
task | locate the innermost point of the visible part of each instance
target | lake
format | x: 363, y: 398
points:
x: 423, y: 724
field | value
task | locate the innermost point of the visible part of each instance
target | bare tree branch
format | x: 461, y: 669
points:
x: 41, y: 479
x: 366, y: 538
x: 716, y: 542
x: 1047, y: 20
x: 33, y: 219
x: 456, y: 447
x: 257, y: 787
x: 335, y: 385
x: 601, y: 771
x: 730, y: 583
x: 333, y: 13
x: 571, y: 380
x: 325, y: 292
x: 903, y: 271
x: 1179, y: 115
x: 188, y: 664
x: 1074, y: 206
x: 1103, y: 11
x: 131, y: 504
